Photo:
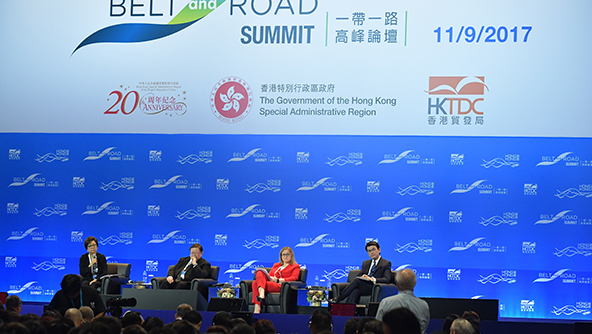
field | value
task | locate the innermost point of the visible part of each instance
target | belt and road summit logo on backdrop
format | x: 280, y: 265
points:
x: 231, y: 99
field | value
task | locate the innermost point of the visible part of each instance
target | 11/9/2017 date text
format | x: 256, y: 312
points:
x: 484, y: 34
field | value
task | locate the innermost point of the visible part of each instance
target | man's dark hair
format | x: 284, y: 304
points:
x: 60, y: 326
x: 362, y: 322
x: 131, y: 318
x: 242, y: 328
x: 222, y: 318
x: 133, y: 329
x: 13, y: 302
x: 351, y: 326
x: 321, y: 320
x: 473, y: 318
x: 193, y: 317
x: 196, y: 246
x: 401, y: 321
x: 448, y: 322
x: 34, y: 326
x: 218, y: 329
x: 265, y: 326
x: 184, y: 327
x: 152, y: 323
x: 14, y: 328
x: 71, y: 283
x: 163, y: 330
x: 183, y: 309
x: 373, y: 326
x: 112, y: 323
x: 372, y: 243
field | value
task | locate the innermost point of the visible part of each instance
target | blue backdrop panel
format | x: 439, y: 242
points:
x: 504, y: 218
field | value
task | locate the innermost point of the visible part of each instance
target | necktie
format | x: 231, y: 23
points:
x: 373, y: 268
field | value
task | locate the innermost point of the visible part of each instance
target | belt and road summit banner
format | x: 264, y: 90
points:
x: 456, y: 134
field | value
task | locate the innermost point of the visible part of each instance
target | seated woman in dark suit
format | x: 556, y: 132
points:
x: 93, y: 265
x: 284, y: 271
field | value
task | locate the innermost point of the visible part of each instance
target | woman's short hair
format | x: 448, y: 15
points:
x: 90, y: 239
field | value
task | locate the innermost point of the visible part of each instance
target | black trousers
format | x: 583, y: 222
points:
x: 355, y: 290
x: 175, y: 285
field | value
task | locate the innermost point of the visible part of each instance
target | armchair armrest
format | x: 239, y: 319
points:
x: 245, y: 288
x: 336, y: 288
x: 385, y: 290
x: 156, y: 282
x: 289, y: 296
x: 196, y: 283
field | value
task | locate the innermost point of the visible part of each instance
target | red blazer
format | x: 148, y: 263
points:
x: 290, y: 273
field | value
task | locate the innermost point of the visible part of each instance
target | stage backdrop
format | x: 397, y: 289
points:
x: 455, y: 134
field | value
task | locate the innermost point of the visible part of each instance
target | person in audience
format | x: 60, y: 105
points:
x: 184, y: 327
x: 182, y: 310
x: 132, y: 318
x: 152, y: 323
x: 60, y: 325
x: 13, y: 328
x: 264, y: 326
x: 75, y: 315
x: 92, y: 264
x: 351, y: 326
x: 195, y: 319
x: 111, y: 324
x: 375, y: 270
x: 447, y: 323
x: 217, y: 330
x: 462, y: 326
x: 473, y: 318
x: 132, y: 329
x: 87, y: 314
x: 14, y: 306
x: 188, y: 268
x: 222, y: 318
x: 242, y: 328
x: 373, y: 326
x: 406, y: 281
x: 284, y: 271
x: 5, y: 317
x: 363, y: 321
x: 73, y: 294
x: 34, y: 325
x: 400, y: 321
x: 236, y: 321
x: 321, y: 321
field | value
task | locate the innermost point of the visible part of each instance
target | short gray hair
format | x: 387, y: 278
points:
x: 461, y: 326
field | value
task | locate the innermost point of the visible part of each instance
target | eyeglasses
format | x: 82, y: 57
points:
x: 92, y: 245
x: 286, y: 254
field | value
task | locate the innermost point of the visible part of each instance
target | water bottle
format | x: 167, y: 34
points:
x: 316, y: 280
x: 231, y: 280
x: 329, y: 282
x: 144, y: 277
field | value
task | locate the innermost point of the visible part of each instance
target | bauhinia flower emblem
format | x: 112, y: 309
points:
x: 231, y: 99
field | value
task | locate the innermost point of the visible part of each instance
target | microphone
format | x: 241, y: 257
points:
x: 95, y: 266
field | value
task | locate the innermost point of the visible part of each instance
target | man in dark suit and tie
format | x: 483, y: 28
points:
x: 188, y: 268
x: 375, y: 270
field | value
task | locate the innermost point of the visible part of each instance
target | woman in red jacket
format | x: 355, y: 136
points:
x: 284, y: 271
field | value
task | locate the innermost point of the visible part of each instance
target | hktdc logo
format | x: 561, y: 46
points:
x: 459, y: 100
x: 231, y: 99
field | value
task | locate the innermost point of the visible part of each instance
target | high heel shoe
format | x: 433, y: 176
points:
x: 261, y: 300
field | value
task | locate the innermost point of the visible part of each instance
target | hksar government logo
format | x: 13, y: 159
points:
x: 231, y: 99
